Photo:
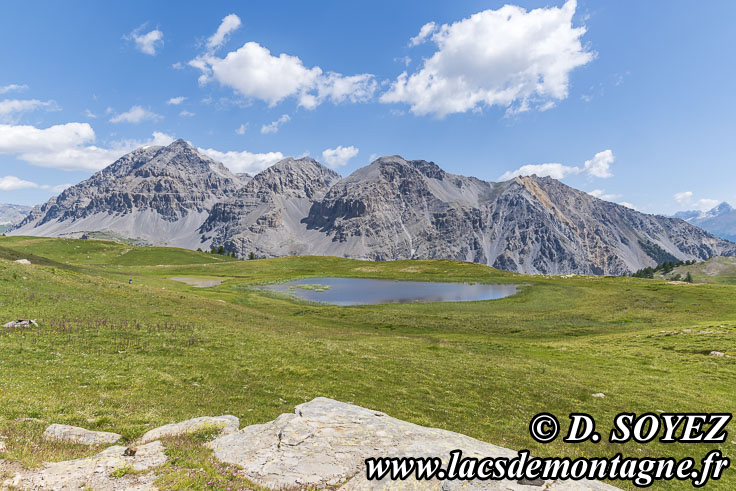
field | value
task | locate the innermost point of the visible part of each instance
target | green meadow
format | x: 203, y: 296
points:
x: 114, y: 356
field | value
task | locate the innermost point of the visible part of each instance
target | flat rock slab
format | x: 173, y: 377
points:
x: 227, y: 424
x: 326, y: 442
x: 74, y: 434
x: 94, y: 472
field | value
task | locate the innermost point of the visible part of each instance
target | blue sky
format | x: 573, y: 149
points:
x: 632, y: 101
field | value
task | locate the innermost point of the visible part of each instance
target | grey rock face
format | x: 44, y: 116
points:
x: 391, y: 209
x: 75, y: 434
x: 157, y: 195
x: 325, y: 442
x: 266, y: 216
x: 398, y: 209
x: 227, y: 425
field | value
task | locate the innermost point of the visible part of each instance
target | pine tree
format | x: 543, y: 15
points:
x: 689, y: 277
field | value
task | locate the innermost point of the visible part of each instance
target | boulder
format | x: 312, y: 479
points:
x: 25, y: 262
x: 74, y: 434
x: 325, y: 443
x: 21, y: 323
x: 227, y: 424
x: 94, y: 472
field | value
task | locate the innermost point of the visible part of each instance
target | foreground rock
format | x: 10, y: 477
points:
x: 75, y: 434
x: 227, y: 424
x: 325, y: 443
x: 95, y: 472
x: 21, y: 323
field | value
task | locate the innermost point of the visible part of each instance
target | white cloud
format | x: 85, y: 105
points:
x: 9, y: 88
x: 244, y: 161
x: 11, y: 108
x: 427, y: 30
x: 12, y: 183
x: 146, y: 43
x: 685, y: 199
x: 508, y: 57
x: 598, y: 166
x: 186, y: 114
x: 178, y: 65
x: 90, y: 114
x: 66, y: 146
x: 241, y: 130
x: 601, y: 194
x: 229, y: 24
x: 135, y: 114
x: 175, y: 101
x: 628, y: 205
x: 274, y: 126
x: 337, y: 157
x: 254, y: 72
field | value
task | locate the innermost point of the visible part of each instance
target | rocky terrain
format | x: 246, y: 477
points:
x: 155, y: 195
x: 390, y: 209
x: 323, y: 444
x: 720, y: 220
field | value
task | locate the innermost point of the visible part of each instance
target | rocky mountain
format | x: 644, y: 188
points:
x: 155, y: 195
x: 390, y: 209
x: 12, y: 214
x: 720, y: 220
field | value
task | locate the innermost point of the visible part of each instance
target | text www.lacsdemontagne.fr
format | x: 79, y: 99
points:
x: 642, y: 472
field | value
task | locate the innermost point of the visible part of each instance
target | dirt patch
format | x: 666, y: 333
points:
x: 197, y: 282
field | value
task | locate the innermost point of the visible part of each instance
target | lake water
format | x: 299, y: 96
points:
x: 359, y: 291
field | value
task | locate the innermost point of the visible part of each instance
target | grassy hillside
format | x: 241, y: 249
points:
x: 720, y: 270
x: 112, y: 356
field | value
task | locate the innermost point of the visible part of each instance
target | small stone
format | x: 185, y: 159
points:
x: 599, y: 395
x: 25, y: 262
x: 21, y: 323
x: 79, y: 435
x: 531, y: 482
x: 717, y: 353
x: 130, y: 452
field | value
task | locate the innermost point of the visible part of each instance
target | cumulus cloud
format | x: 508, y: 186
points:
x: 254, y: 72
x: 12, y: 183
x: 175, y: 101
x: 244, y: 161
x: 601, y: 194
x: 12, y: 87
x: 66, y: 146
x: 242, y: 129
x: 229, y: 24
x: 427, y: 30
x: 147, y: 42
x: 274, y: 126
x: 598, y: 166
x: 510, y: 57
x: 10, y: 109
x: 686, y: 199
x: 135, y: 114
x: 186, y: 114
x: 628, y: 205
x: 337, y: 157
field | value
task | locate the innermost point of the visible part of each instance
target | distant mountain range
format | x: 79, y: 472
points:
x: 11, y: 215
x: 391, y: 209
x: 720, y: 220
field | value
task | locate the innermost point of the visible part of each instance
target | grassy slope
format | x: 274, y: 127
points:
x: 719, y: 269
x: 111, y: 356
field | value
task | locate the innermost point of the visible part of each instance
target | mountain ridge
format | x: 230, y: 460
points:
x: 719, y: 220
x: 390, y: 209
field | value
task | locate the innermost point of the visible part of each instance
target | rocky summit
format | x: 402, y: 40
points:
x: 391, y: 209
